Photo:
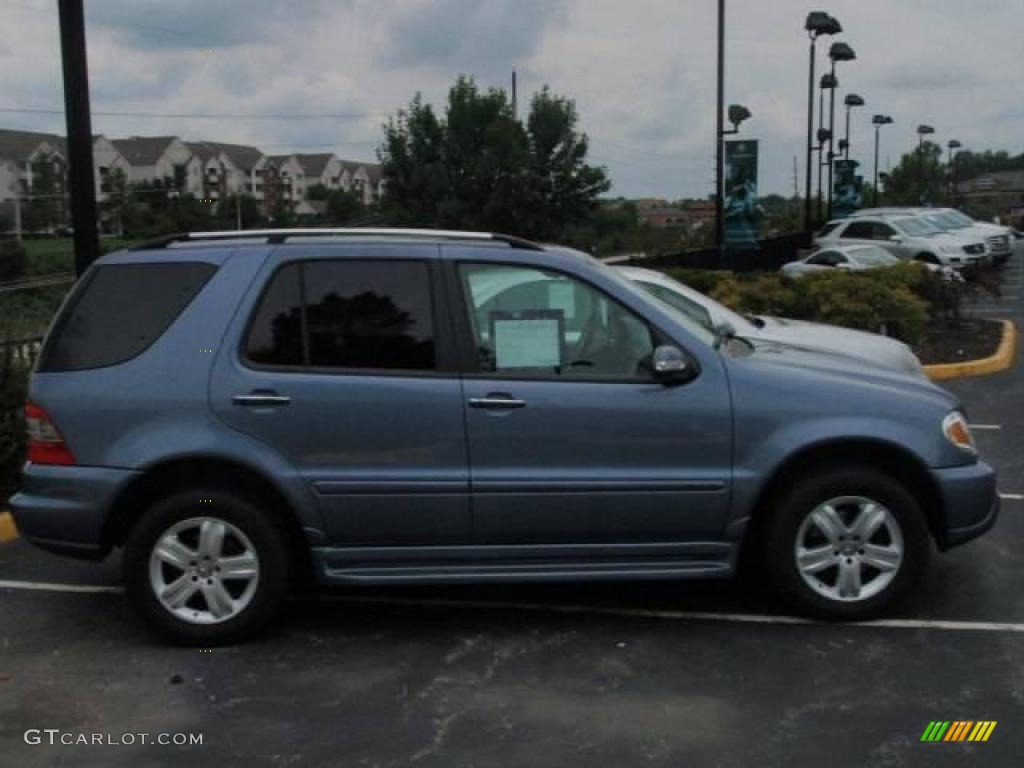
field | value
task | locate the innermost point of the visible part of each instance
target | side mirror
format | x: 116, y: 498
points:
x: 895, y: 239
x: 670, y: 364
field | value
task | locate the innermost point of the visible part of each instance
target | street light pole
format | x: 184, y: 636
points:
x: 817, y: 24
x: 922, y: 131
x: 719, y: 128
x: 953, y: 144
x: 878, y: 121
x: 79, y: 127
x: 836, y: 52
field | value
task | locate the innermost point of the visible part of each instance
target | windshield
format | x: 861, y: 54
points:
x: 696, y: 328
x: 873, y: 257
x: 961, y: 218
x: 949, y: 221
x: 916, y: 227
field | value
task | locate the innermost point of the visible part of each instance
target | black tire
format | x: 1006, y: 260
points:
x: 267, y: 537
x: 928, y: 258
x: 801, y: 499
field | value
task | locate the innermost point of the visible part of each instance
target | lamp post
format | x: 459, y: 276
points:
x: 817, y: 24
x: 837, y: 52
x: 851, y: 101
x: 953, y: 144
x: 922, y: 131
x: 829, y: 82
x: 719, y: 128
x: 878, y: 121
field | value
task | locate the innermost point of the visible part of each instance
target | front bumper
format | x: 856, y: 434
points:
x: 64, y: 509
x: 970, y: 502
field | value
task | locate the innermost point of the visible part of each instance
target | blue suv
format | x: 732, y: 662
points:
x: 238, y: 409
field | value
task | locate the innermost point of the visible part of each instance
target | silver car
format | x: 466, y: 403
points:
x: 853, y: 258
x: 906, y: 237
x: 859, y: 345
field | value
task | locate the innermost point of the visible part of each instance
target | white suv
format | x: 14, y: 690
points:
x: 998, y: 240
x: 906, y: 237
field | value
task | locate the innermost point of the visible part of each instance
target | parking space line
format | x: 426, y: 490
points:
x: 638, y: 613
x: 1012, y: 496
x: 986, y: 426
x: 42, y: 586
x: 645, y: 613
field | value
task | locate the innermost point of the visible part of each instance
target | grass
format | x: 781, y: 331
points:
x: 57, y: 254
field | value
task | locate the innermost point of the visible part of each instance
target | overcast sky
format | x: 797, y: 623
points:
x: 642, y: 72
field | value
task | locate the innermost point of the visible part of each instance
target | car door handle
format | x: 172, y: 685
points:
x: 261, y: 399
x: 496, y: 402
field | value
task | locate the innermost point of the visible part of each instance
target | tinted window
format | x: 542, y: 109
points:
x: 119, y: 312
x: 533, y: 322
x: 883, y: 231
x: 357, y: 314
x: 369, y: 314
x: 275, y: 335
x: 828, y: 228
x: 826, y: 259
x: 858, y: 230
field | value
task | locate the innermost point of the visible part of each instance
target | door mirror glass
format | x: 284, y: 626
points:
x: 670, y: 364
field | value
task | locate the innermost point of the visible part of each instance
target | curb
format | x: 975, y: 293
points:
x: 8, y: 531
x: 1000, y: 361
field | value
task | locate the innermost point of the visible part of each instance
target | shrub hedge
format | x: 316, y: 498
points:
x: 898, y: 301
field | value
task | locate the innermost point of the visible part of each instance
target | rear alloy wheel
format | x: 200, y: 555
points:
x: 846, y: 542
x: 204, y: 570
x: 207, y: 567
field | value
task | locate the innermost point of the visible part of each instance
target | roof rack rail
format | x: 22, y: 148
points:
x: 279, y: 236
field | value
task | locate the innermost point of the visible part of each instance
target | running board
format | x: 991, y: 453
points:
x: 509, y: 564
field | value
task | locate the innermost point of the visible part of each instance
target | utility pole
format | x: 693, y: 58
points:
x: 515, y: 97
x: 796, y: 180
x: 17, y: 214
x: 238, y: 211
x: 79, y: 127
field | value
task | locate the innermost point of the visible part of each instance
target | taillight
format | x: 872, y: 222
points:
x: 45, y: 445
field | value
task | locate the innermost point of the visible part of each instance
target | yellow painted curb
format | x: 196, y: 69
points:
x: 1000, y: 361
x: 8, y: 531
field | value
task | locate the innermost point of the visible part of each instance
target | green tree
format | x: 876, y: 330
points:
x: 480, y: 168
x: 45, y: 205
x: 919, y: 178
x: 230, y: 206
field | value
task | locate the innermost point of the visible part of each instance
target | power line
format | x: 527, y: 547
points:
x: 207, y: 115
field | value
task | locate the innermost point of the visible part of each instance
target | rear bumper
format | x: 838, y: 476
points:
x: 64, y: 509
x: 970, y: 502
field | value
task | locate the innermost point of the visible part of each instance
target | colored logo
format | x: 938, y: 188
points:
x: 958, y: 730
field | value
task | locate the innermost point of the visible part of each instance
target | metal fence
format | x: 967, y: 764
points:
x: 22, y: 351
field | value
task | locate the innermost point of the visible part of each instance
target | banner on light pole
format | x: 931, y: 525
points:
x: 742, y: 213
x: 847, y: 189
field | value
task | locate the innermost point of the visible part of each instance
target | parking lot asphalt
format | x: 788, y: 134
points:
x: 701, y: 674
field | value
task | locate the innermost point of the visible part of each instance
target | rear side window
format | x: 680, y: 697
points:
x: 346, y: 314
x: 119, y: 312
x: 828, y: 229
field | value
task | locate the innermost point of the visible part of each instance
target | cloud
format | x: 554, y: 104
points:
x: 642, y: 72
x: 470, y: 36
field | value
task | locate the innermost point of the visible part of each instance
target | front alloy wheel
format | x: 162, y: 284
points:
x: 844, y: 542
x: 849, y: 548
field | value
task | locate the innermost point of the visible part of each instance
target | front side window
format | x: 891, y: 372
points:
x: 858, y: 230
x: 347, y: 314
x: 532, y: 322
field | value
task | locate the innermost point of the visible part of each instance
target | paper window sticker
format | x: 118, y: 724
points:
x: 528, y: 343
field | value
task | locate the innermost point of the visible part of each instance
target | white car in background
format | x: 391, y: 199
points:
x: 862, y: 346
x: 906, y: 237
x: 999, y: 240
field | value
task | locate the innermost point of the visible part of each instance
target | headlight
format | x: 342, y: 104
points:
x: 958, y: 432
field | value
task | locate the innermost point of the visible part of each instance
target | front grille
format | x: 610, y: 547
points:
x: 998, y: 243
